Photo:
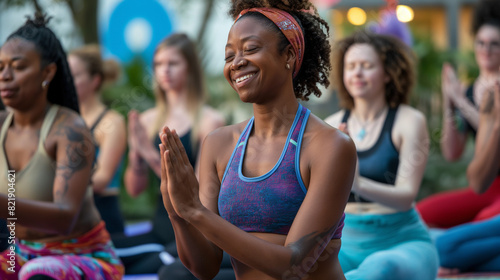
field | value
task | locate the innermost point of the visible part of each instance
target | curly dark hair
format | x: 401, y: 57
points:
x: 316, y: 64
x: 61, y: 89
x: 398, y: 61
x: 486, y: 12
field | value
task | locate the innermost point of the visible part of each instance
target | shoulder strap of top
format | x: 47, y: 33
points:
x: 240, y: 142
x: 389, y: 120
x: 47, y: 123
x: 347, y: 113
x: 298, y: 124
x: 99, y: 118
x: 469, y: 93
x: 3, y: 132
x: 5, y: 127
x: 246, y: 132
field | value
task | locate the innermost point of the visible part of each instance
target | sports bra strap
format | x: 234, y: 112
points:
x: 388, y: 123
x: 347, y: 113
x: 5, y: 126
x: 389, y: 120
x: 99, y: 118
x: 47, y: 123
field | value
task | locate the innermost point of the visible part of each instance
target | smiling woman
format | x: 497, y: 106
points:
x: 266, y: 193
x: 48, y: 152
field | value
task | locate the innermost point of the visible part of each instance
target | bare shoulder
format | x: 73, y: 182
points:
x: 219, y: 143
x: 335, y: 119
x: 408, y: 115
x: 210, y: 120
x: 69, y: 118
x: 69, y: 127
x: 148, y: 116
x: 322, y: 139
x: 114, y: 117
x: 211, y: 115
x: 112, y: 126
x: 224, y: 136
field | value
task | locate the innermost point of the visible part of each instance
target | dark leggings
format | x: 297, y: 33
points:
x: 140, y: 253
x: 109, y: 208
x: 4, y: 235
x: 41, y: 277
x: 177, y: 271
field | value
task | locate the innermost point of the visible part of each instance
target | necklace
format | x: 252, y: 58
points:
x: 364, y: 125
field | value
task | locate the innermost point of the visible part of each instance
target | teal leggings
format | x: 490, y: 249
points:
x: 385, y: 247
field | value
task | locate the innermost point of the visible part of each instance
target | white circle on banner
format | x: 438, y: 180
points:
x: 138, y: 34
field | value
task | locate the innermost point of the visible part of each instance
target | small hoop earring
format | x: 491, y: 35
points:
x: 45, y: 84
x: 287, y: 66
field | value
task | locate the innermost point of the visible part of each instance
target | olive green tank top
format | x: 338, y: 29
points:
x: 36, y: 180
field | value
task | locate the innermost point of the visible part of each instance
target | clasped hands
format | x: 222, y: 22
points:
x: 179, y: 185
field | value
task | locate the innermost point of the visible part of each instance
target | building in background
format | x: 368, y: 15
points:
x: 446, y: 22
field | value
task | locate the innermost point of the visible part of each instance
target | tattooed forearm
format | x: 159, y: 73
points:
x: 307, y: 250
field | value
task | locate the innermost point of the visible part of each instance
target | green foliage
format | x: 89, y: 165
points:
x: 134, y: 91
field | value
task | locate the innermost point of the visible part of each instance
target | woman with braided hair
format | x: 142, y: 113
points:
x: 272, y: 190
x: 46, y: 163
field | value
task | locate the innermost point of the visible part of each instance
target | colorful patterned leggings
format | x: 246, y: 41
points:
x: 91, y: 256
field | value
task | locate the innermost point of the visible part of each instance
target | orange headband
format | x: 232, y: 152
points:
x: 288, y: 26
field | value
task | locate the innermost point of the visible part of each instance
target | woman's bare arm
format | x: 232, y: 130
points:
x: 74, y: 158
x: 111, y: 150
x: 413, y: 154
x: 484, y: 166
x: 453, y: 134
x: 312, y: 228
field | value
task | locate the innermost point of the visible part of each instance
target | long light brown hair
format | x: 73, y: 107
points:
x: 195, y: 83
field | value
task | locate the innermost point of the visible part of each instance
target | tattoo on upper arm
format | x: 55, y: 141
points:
x: 77, y: 151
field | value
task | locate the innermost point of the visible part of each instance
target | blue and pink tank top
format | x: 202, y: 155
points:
x: 267, y: 203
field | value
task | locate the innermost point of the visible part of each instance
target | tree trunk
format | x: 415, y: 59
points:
x: 206, y: 17
x: 85, y: 18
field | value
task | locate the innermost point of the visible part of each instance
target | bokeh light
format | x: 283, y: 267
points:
x: 404, y: 13
x: 356, y: 16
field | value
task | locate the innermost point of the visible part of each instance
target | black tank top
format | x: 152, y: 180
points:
x: 380, y: 162
x: 188, y: 146
x: 162, y: 227
x: 470, y: 95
